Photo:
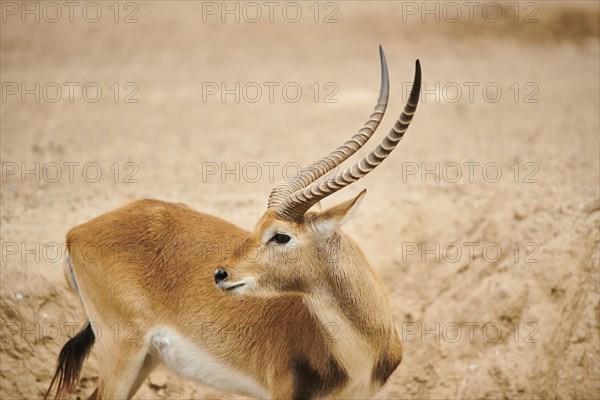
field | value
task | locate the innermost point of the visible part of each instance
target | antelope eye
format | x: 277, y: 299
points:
x: 281, y: 238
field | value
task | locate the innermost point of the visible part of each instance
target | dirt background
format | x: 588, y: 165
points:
x: 521, y: 323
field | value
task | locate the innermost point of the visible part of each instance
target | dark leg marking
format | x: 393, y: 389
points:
x: 385, y: 366
x: 309, y: 382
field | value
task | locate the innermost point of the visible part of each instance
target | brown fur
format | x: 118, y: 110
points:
x: 151, y: 263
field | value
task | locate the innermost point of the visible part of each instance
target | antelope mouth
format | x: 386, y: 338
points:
x: 233, y: 286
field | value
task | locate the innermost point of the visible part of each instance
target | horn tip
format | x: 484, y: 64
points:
x: 418, y: 72
x: 385, y: 79
x: 382, y: 56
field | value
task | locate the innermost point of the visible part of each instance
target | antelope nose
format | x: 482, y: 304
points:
x: 220, y: 275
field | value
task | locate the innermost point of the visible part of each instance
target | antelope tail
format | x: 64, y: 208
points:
x: 70, y: 361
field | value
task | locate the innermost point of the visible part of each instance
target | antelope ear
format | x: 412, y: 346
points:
x: 317, y: 207
x: 327, y: 221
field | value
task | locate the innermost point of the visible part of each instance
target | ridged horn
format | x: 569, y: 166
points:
x: 314, y: 171
x: 294, y: 207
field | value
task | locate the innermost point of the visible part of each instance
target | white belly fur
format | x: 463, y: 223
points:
x: 191, y: 361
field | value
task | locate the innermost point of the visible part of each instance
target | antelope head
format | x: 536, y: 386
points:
x: 292, y: 249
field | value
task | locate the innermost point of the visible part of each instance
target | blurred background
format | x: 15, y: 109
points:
x: 484, y: 223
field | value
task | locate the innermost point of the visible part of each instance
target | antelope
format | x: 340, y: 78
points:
x: 292, y: 310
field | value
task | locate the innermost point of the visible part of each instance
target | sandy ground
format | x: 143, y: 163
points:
x: 484, y: 224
